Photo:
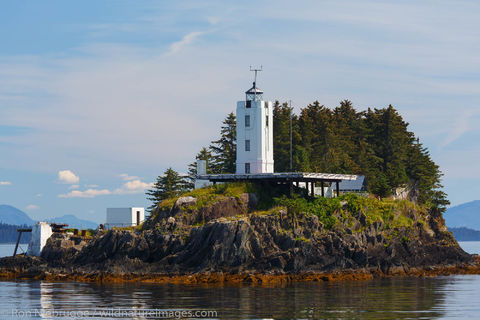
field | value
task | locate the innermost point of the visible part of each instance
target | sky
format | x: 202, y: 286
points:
x: 98, y: 98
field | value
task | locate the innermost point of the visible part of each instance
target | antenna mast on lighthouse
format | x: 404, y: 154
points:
x: 256, y: 70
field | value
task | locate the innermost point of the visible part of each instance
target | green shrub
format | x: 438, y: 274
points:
x: 323, y: 208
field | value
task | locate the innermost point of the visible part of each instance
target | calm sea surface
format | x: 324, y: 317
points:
x: 404, y: 298
x: 6, y: 249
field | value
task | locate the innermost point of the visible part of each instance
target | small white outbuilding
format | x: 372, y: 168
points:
x: 201, y: 169
x: 41, y: 231
x: 124, y: 217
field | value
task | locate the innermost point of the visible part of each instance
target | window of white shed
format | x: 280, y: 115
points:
x: 247, y: 168
x: 247, y: 145
x: 247, y: 120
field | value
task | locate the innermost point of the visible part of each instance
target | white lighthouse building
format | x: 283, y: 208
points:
x: 254, y: 133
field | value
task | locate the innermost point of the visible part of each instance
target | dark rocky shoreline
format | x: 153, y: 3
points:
x: 228, y: 241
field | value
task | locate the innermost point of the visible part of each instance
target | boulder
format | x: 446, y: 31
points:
x: 184, y: 202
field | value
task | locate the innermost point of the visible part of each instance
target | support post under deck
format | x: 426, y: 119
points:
x: 16, y: 245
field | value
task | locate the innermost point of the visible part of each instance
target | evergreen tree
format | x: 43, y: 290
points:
x: 427, y: 176
x: 282, y: 115
x: 169, y: 185
x: 390, y: 139
x: 348, y: 137
x: 317, y: 137
x: 224, y: 150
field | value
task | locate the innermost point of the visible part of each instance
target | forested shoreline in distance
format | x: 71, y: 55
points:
x: 9, y: 234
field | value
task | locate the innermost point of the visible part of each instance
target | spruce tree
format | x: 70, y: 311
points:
x: 224, y: 150
x: 317, y: 137
x: 282, y: 115
x: 390, y: 139
x: 348, y: 138
x: 427, y: 176
x: 168, y: 185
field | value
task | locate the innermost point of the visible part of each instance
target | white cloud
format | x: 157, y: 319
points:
x: 89, y: 193
x: 91, y: 185
x: 213, y: 20
x: 5, y: 183
x: 186, y: 40
x: 129, y: 187
x: 32, y: 207
x: 127, y: 177
x: 460, y: 127
x: 67, y: 177
x: 134, y: 186
x: 74, y: 186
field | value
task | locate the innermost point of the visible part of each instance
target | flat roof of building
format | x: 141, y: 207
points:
x: 353, y: 185
x: 279, y: 176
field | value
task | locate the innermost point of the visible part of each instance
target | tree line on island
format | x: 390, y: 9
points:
x: 375, y: 143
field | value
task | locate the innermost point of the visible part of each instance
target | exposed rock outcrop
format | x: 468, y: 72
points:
x: 229, y: 237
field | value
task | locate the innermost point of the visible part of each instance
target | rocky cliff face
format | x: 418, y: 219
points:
x: 229, y: 236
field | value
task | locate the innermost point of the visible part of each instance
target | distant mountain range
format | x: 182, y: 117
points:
x: 465, y: 234
x: 74, y: 222
x: 13, y: 216
x: 464, y: 215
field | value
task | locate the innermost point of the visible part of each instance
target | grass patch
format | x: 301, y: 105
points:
x: 208, y: 195
x: 341, y: 211
x: 323, y: 208
x: 349, y: 207
x: 303, y: 239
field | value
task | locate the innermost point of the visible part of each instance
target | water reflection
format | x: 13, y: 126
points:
x: 377, y: 299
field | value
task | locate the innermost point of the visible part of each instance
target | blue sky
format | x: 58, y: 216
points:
x: 111, y: 93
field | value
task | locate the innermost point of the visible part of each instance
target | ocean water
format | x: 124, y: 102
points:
x: 470, y: 246
x: 6, y: 249
x: 454, y: 297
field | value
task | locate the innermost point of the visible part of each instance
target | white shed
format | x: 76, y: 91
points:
x: 124, y: 217
x: 41, y: 231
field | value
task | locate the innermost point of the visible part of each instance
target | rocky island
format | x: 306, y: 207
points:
x: 238, y: 233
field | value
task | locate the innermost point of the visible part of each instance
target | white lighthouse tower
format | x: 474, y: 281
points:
x: 254, y: 132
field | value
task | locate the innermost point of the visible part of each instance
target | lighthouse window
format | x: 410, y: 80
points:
x: 247, y: 145
x: 247, y: 121
x: 249, y: 104
x: 266, y: 121
x: 247, y: 168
